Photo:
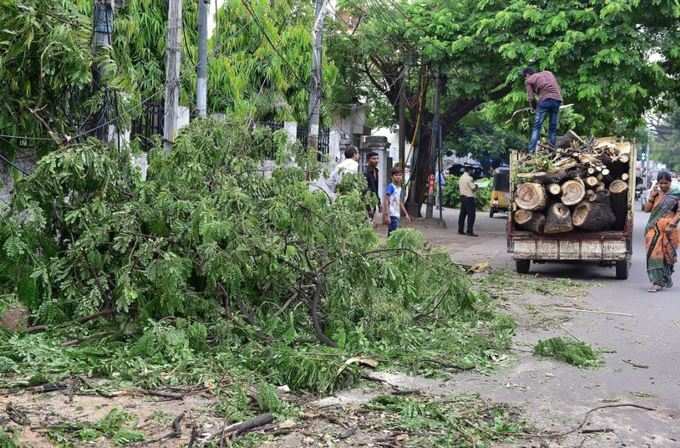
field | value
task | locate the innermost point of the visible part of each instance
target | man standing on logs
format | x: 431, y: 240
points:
x: 545, y: 97
x: 468, y: 207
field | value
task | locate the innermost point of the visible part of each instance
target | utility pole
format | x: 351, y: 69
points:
x: 172, y: 66
x: 103, y: 30
x: 202, y: 80
x: 315, y: 90
x: 434, y: 146
x: 402, y: 119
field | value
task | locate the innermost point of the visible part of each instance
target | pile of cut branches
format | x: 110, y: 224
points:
x: 209, y: 234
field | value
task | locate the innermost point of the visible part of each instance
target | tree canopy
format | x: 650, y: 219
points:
x: 614, y: 59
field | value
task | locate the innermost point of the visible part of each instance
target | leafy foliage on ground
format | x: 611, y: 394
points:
x: 576, y: 353
x: 210, y: 267
x: 459, y: 422
x: 507, y: 284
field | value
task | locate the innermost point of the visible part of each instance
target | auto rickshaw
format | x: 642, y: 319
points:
x: 500, y: 195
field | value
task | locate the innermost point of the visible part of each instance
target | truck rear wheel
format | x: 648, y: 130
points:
x: 622, y: 268
x: 522, y: 266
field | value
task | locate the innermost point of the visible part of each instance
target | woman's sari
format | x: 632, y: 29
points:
x: 662, y: 245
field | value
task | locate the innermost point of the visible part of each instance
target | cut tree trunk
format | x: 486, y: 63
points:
x: 594, y: 216
x: 618, y: 193
x: 536, y: 224
x: 555, y: 189
x: 573, y: 192
x: 558, y: 219
x: 530, y: 196
x: 592, y: 181
x: 522, y: 217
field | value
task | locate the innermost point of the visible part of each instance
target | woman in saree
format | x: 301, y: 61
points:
x: 661, y: 234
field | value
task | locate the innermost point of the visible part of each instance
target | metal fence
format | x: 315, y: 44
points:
x: 323, y: 143
x: 149, y: 124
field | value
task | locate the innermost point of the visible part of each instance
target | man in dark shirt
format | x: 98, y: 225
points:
x: 545, y: 96
x: 372, y: 182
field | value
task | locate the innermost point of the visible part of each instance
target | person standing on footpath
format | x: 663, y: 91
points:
x: 545, y: 96
x: 468, y: 207
x: 372, y: 183
x: 393, y: 206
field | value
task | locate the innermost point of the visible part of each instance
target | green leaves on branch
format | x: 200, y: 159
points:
x: 209, y: 233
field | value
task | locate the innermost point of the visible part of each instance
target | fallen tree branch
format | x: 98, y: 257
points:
x: 82, y: 320
x: 174, y: 434
x: 237, y: 429
x: 586, y: 417
x: 315, y: 315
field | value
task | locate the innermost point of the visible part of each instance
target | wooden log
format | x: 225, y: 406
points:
x: 618, y: 187
x: 536, y: 224
x: 619, y: 202
x: 530, y: 196
x: 624, y: 158
x: 625, y: 177
x: 591, y: 171
x: 591, y: 195
x: 593, y: 216
x: 558, y: 219
x: 555, y: 189
x: 605, y: 171
x: 592, y: 181
x: 573, y: 192
x: 522, y: 217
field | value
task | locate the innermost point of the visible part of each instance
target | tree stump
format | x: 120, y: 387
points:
x: 558, y: 219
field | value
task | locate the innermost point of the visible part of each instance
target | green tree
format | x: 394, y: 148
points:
x: 260, y: 65
x: 45, y: 68
x: 665, y: 141
x: 600, y: 50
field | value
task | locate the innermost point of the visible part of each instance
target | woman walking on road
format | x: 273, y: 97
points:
x: 661, y: 234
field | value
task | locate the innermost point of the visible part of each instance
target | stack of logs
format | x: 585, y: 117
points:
x: 586, y: 188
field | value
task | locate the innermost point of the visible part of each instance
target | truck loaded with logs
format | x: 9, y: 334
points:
x: 573, y: 203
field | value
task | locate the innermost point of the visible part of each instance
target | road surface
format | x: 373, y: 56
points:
x: 641, y: 343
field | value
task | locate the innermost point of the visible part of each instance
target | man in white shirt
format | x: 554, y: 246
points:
x: 468, y: 208
x: 349, y: 165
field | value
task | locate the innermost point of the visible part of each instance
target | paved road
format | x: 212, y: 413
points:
x: 558, y: 394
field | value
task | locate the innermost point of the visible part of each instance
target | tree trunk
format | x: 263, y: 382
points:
x: 573, y: 192
x: 558, y: 219
x: 530, y: 196
x: 619, y: 200
x: 420, y: 173
x: 594, y: 216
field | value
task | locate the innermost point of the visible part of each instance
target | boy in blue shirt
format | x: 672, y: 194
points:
x: 393, y: 205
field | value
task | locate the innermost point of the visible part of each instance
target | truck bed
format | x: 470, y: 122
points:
x: 596, y: 246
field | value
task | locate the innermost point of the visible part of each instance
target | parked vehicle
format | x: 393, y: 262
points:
x: 500, y: 193
x: 608, y: 247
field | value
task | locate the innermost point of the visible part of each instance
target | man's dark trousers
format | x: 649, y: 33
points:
x: 467, y: 210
